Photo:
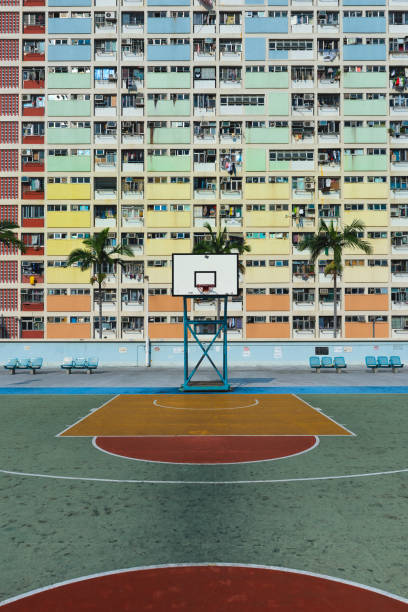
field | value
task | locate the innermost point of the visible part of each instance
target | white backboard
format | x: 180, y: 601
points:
x: 220, y: 272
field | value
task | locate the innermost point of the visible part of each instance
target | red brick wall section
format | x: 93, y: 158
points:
x: 9, y: 132
x: 8, y: 49
x: 8, y: 272
x: 9, y: 77
x: 8, y: 299
x: 9, y: 105
x: 9, y: 22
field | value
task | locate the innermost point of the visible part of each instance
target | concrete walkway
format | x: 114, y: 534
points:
x: 171, y: 378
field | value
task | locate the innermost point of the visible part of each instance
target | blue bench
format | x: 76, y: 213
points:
x: 24, y: 364
x: 327, y: 363
x: 383, y: 363
x: 80, y: 363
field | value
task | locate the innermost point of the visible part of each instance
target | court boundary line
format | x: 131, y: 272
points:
x: 256, y: 403
x: 287, y: 570
x: 92, y: 411
x: 320, y: 411
x: 203, y: 482
x: 312, y: 390
x: 188, y: 463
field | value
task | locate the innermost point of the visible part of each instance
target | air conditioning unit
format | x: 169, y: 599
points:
x: 127, y: 41
x: 308, y: 97
x: 98, y: 96
x: 110, y: 15
x: 26, y: 97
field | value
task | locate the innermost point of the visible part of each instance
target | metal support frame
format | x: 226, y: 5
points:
x: 220, y: 333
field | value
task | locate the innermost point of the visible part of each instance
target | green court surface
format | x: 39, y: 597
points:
x: 68, y: 510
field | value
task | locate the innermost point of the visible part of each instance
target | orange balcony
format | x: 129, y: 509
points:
x: 32, y: 333
x: 32, y: 223
x: 33, y: 29
x: 366, y: 302
x: 365, y: 330
x: 37, y: 139
x: 34, y: 84
x: 33, y: 2
x: 165, y: 303
x: 267, y: 302
x: 166, y: 331
x: 32, y: 279
x: 33, y: 111
x: 268, y: 330
x: 69, y: 303
x: 34, y: 250
x: 32, y: 306
x: 34, y: 57
x: 69, y: 331
x: 33, y: 167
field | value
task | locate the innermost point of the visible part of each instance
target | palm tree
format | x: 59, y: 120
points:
x: 328, y: 238
x: 97, y: 254
x: 8, y: 237
x: 221, y: 244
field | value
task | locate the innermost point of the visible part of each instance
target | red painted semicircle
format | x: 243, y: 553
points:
x: 209, y: 588
x: 205, y: 449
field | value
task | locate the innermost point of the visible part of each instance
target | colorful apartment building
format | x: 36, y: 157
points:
x: 155, y: 117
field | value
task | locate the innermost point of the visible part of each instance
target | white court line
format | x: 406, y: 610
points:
x: 204, y: 482
x: 320, y: 411
x: 156, y: 403
x: 102, y: 450
x: 141, y: 568
x: 92, y: 411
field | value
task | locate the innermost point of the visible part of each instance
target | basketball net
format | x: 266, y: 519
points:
x: 205, y: 289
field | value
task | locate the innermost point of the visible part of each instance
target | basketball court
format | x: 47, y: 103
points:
x: 242, y: 501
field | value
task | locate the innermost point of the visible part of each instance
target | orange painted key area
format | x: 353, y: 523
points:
x: 202, y: 415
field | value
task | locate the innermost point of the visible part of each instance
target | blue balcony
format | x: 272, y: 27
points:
x: 267, y: 25
x: 69, y: 26
x: 68, y: 53
x: 255, y: 49
x: 168, y: 2
x: 277, y: 2
x: 69, y: 2
x: 168, y: 25
x: 364, y: 25
x: 364, y: 52
x: 363, y: 2
x: 278, y: 55
x: 168, y: 53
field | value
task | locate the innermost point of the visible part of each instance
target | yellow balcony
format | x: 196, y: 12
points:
x: 78, y: 218
x: 371, y: 218
x: 269, y: 246
x: 267, y: 275
x: 168, y: 219
x: 380, y: 246
x: 68, y: 276
x: 267, y: 219
x: 366, y: 274
x: 63, y: 247
x: 358, y: 191
x: 168, y: 191
x: 68, y: 191
x: 167, y: 246
x: 266, y: 191
x: 159, y: 275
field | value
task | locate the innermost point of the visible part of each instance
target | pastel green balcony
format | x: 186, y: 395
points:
x: 266, y: 80
x: 270, y: 135
x: 168, y: 163
x: 169, y: 135
x: 365, y: 80
x: 69, y: 108
x: 68, y: 135
x: 168, y: 80
x: 357, y: 163
x: 69, y: 163
x: 69, y: 80
x: 365, y: 107
x: 168, y: 108
x: 365, y: 135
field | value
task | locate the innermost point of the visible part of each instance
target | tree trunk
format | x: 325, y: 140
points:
x: 335, y: 305
x: 100, y: 307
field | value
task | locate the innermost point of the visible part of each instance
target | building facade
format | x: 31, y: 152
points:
x: 155, y: 117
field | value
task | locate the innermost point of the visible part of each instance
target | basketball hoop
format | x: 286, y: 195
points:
x: 205, y: 289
